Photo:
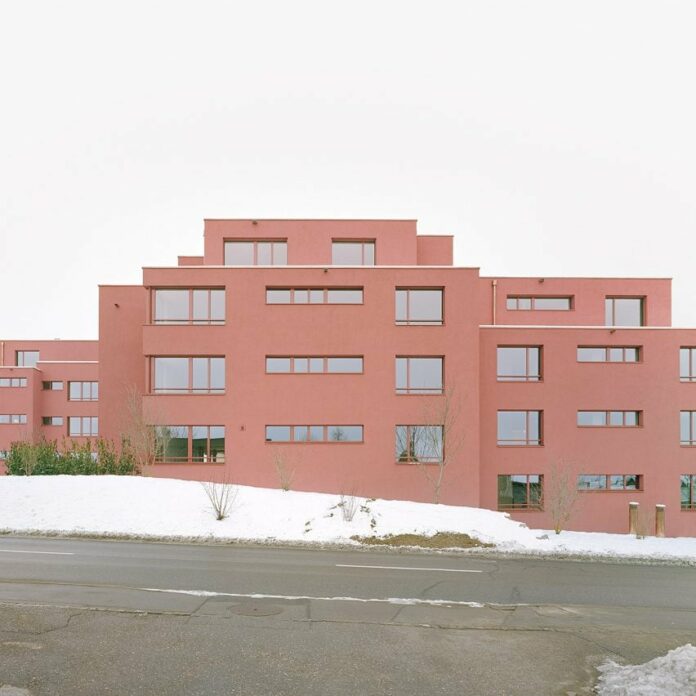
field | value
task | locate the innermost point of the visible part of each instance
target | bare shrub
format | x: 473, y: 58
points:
x: 560, y: 493
x: 349, y: 506
x: 149, y: 442
x: 221, y: 495
x: 284, y: 463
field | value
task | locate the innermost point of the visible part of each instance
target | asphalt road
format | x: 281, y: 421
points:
x: 91, y: 617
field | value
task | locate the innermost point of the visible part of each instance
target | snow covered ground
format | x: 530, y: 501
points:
x: 155, y: 507
x: 673, y: 674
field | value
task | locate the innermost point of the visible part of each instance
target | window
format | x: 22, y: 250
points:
x: 519, y: 428
x: 13, y: 419
x: 624, y: 311
x: 316, y: 365
x: 314, y: 433
x: 418, y: 306
x: 27, y: 358
x: 687, y: 428
x: 256, y: 253
x: 610, y: 482
x: 520, y: 491
x: 13, y: 381
x: 611, y: 419
x: 519, y: 363
x: 52, y: 420
x: 196, y: 443
x: 519, y: 302
x: 419, y: 375
x: 199, y: 375
x: 189, y: 306
x: 83, y: 426
x: 83, y: 391
x: 614, y: 354
x: 419, y: 443
x: 52, y: 386
x: 688, y: 492
x: 687, y: 364
x: 314, y: 296
x: 353, y: 253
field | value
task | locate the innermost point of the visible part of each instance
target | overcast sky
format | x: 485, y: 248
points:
x: 551, y: 138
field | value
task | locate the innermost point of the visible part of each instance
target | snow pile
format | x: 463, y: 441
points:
x: 669, y: 675
x: 155, y: 507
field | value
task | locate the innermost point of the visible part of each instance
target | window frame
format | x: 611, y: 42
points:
x: 527, y: 441
x: 309, y: 440
x: 608, y: 485
x: 363, y: 243
x: 690, y: 505
x: 325, y: 364
x: 53, y: 421
x: 533, y: 300
x: 527, y: 378
x: 607, y: 355
x: 190, y: 390
x: 690, y: 441
x: 411, y: 456
x: 691, y: 372
x: 93, y: 420
x: 23, y: 362
x: 612, y: 312
x: 607, y: 418
x: 408, y: 321
x: 13, y: 382
x: 418, y: 391
x: 191, y: 320
x: 325, y: 295
x: 528, y: 505
x: 272, y: 241
x: 163, y: 459
x: 93, y: 387
x: 13, y: 418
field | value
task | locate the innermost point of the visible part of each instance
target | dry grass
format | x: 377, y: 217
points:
x: 441, y: 540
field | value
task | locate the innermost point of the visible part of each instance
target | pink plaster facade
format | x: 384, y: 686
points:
x: 477, y: 320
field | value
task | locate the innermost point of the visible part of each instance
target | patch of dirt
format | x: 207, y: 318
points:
x: 441, y: 540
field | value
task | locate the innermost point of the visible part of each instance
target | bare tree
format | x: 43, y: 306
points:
x: 349, y: 506
x: 221, y: 495
x: 433, y: 445
x: 284, y: 464
x: 149, y: 442
x: 560, y: 493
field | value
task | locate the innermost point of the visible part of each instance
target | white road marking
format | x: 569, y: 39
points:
x: 438, y: 570
x: 386, y: 600
x: 47, y: 553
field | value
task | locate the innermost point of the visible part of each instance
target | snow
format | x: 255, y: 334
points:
x: 171, y: 508
x: 668, y: 675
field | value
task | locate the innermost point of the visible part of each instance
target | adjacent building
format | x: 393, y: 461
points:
x: 354, y: 354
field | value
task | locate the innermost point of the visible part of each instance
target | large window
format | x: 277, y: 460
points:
x: 687, y: 428
x: 314, y: 365
x: 521, y: 302
x: 687, y: 364
x: 199, y: 375
x: 13, y: 382
x: 83, y: 391
x: 520, y: 491
x: 83, y: 426
x: 189, y: 306
x: 305, y: 296
x: 13, y: 418
x: 519, y: 363
x: 257, y: 252
x: 26, y: 358
x: 196, y: 443
x: 419, y: 444
x: 688, y: 492
x: 520, y: 428
x: 419, y: 375
x: 419, y: 305
x: 353, y: 253
x: 610, y: 482
x: 624, y: 311
x: 314, y: 433
x: 610, y: 419
x: 614, y: 354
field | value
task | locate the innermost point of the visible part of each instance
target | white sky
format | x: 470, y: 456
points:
x: 552, y: 138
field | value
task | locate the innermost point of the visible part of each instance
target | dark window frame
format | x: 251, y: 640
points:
x: 526, y: 441
x: 408, y: 390
x: 190, y: 388
x: 309, y: 441
x: 408, y: 321
x: 219, y: 457
x: 690, y: 375
x: 92, y: 431
x: 527, y: 377
x: 528, y: 504
x: 611, y: 313
x: 607, y: 418
x: 609, y: 486
x: 533, y: 301
x: 409, y: 456
x: 190, y: 320
x: 689, y: 504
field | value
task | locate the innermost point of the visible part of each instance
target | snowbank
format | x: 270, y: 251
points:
x: 155, y: 507
x: 669, y: 675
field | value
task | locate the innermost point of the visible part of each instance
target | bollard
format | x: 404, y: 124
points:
x: 660, y: 520
x: 632, y: 518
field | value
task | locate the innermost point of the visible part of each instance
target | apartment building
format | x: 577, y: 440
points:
x: 355, y: 354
